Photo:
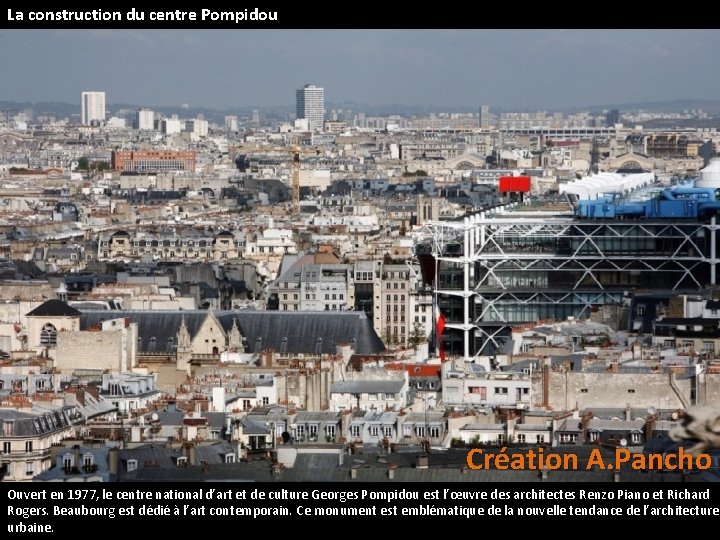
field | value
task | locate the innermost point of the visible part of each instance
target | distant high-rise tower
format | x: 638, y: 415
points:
x: 144, y: 119
x: 484, y: 116
x: 92, y: 107
x: 310, y: 105
x: 612, y: 117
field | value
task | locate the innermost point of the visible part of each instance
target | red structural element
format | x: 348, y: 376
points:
x: 514, y: 184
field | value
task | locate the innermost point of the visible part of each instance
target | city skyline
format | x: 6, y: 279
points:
x: 530, y: 69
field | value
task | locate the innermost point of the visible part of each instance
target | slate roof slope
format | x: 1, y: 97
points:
x: 53, y: 308
x: 303, y: 328
x: 295, y: 332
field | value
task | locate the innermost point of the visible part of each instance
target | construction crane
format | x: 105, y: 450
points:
x: 295, y: 150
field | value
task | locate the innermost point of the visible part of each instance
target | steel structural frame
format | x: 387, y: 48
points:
x: 481, y: 236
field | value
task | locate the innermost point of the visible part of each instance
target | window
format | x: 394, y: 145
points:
x: 631, y: 390
x: 372, y: 397
x: 434, y: 431
x: 387, y: 431
x: 330, y: 431
x: 521, y: 438
x: 67, y: 461
x: 420, y: 431
x: 132, y: 465
x: 48, y: 335
x: 641, y: 310
x: 708, y: 346
x: 312, y: 431
x: 266, y: 401
x: 635, y: 438
x: 583, y: 390
x: 501, y: 390
x: 540, y: 439
x: 669, y: 343
x: 6, y: 447
x: 28, y: 446
x: 355, y: 430
x: 594, y: 436
x: 230, y: 458
x: 29, y: 468
x: 480, y: 390
x: 87, y: 460
x: 390, y: 397
x: 374, y: 431
x: 568, y: 438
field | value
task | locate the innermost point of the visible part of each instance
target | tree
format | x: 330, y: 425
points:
x: 416, y: 336
x: 389, y: 338
x: 100, y: 165
x: 419, y: 172
x: 83, y: 164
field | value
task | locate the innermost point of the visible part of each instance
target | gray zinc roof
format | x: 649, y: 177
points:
x: 366, y: 387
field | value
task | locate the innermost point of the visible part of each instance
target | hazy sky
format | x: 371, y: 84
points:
x: 527, y: 69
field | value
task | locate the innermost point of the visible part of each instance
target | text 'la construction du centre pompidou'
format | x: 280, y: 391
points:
x: 622, y: 233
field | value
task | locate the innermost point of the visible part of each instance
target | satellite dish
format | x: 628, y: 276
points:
x: 155, y: 416
x: 623, y: 442
x: 651, y: 410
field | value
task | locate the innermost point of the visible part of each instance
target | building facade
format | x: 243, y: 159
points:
x: 92, y: 108
x: 153, y: 160
x: 495, y: 271
x: 310, y: 105
x: 144, y: 119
